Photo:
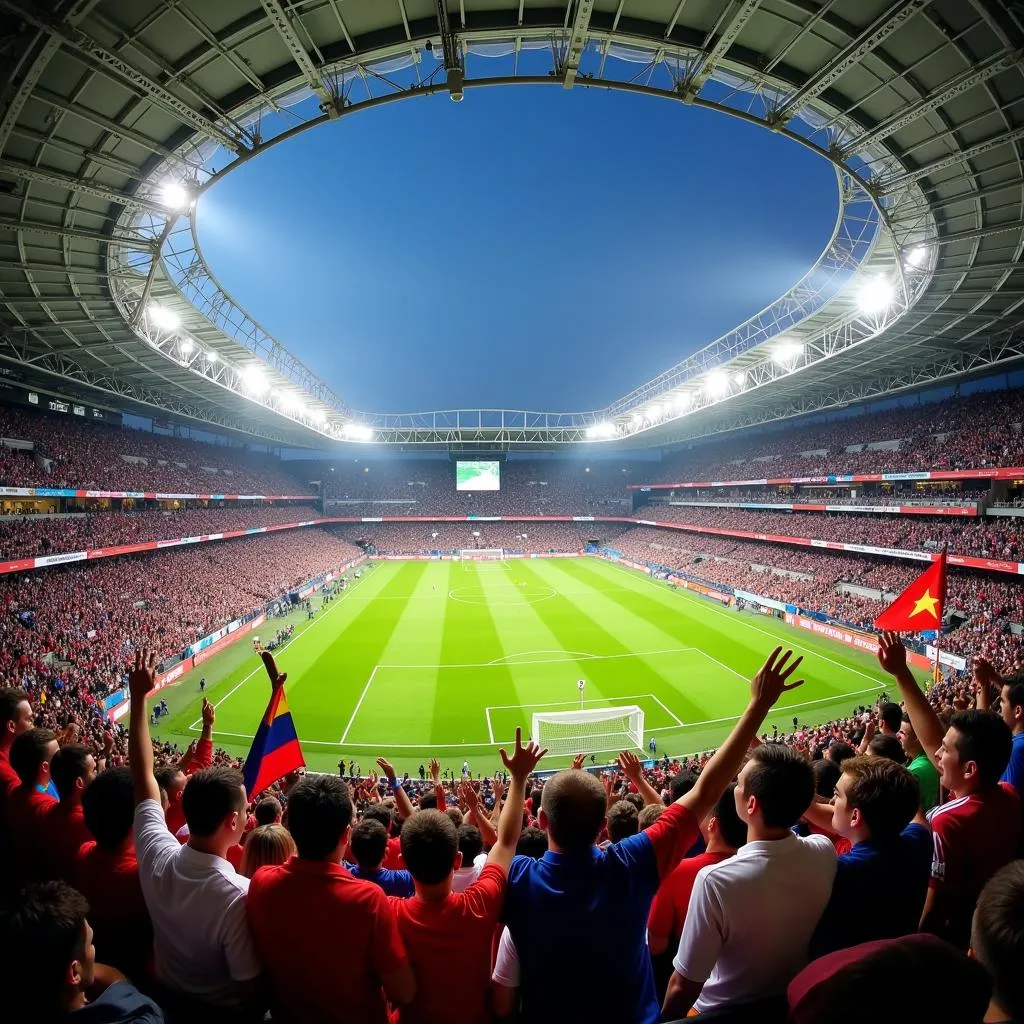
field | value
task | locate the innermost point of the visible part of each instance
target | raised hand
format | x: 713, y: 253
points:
x: 499, y: 788
x: 771, y: 681
x: 985, y: 676
x: 524, y: 759
x: 578, y: 762
x: 435, y: 770
x: 385, y: 767
x: 892, y: 655
x: 276, y: 678
x: 468, y: 796
x: 68, y: 735
x: 209, y: 713
x: 142, y: 677
x: 630, y: 765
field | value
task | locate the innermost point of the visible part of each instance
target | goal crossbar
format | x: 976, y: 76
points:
x: 581, y: 731
x: 482, y: 554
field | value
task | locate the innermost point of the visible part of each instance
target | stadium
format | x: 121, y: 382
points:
x: 490, y: 691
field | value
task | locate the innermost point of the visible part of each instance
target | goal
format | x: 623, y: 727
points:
x: 576, y: 732
x: 482, y: 554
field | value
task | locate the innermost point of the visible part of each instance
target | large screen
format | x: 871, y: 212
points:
x: 478, y: 476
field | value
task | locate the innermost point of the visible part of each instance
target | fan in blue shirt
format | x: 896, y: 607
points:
x: 369, y: 844
x: 881, y: 884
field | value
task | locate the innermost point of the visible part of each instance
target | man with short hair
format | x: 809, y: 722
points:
x: 202, y: 946
x: 575, y: 890
x: 976, y: 832
x: 368, y: 845
x: 30, y: 804
x: 107, y: 874
x: 751, y: 916
x: 72, y: 769
x: 997, y: 941
x: 890, y: 717
x: 881, y: 884
x: 49, y: 961
x: 300, y: 909
x: 471, y: 846
x: 888, y: 746
x: 919, y: 765
x: 440, y: 926
x: 15, y: 718
x: 268, y: 811
x: 1011, y: 710
x: 623, y: 820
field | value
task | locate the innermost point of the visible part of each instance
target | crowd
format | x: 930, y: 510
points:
x: 65, y: 631
x: 951, y: 494
x: 513, y: 537
x: 975, y: 432
x: 31, y: 536
x: 985, y: 608
x: 93, y: 456
x: 998, y: 538
x: 782, y: 877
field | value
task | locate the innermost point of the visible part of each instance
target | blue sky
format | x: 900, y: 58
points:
x: 528, y: 248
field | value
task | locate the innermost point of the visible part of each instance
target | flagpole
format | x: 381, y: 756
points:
x: 937, y: 674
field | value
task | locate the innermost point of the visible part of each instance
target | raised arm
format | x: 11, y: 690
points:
x: 634, y: 771
x: 435, y: 777
x: 402, y: 801
x: 475, y: 815
x: 985, y: 677
x: 141, y: 681
x: 892, y: 656
x: 520, y: 766
x: 767, y: 686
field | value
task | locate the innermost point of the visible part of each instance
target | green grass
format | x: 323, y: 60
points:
x: 446, y: 659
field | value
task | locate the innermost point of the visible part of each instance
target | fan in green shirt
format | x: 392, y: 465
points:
x: 920, y: 767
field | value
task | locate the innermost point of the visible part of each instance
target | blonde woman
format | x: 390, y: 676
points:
x: 266, y: 844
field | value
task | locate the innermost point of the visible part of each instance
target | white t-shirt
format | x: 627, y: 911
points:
x: 202, y: 944
x: 506, y: 963
x: 465, y: 877
x: 751, y: 918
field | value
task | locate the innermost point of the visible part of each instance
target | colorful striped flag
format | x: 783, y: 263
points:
x: 275, y: 748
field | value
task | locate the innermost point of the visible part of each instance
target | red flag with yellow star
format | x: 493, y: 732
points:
x: 919, y: 607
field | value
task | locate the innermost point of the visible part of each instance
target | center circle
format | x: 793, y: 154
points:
x: 531, y: 594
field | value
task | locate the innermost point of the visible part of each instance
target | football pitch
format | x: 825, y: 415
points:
x: 446, y: 659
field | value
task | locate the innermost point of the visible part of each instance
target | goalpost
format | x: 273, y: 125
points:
x: 584, y: 731
x: 482, y: 554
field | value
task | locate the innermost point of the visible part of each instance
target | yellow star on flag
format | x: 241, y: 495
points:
x: 926, y: 603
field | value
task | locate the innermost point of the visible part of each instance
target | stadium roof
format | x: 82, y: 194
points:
x: 104, y: 292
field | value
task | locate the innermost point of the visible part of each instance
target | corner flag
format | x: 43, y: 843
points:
x: 275, y: 748
x: 919, y: 607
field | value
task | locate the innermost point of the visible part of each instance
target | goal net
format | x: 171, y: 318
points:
x: 482, y: 554
x: 586, y: 731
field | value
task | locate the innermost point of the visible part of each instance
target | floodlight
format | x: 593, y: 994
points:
x: 357, y: 432
x: 253, y: 380
x: 655, y: 412
x: 739, y: 378
x: 288, y: 400
x: 186, y: 346
x: 636, y: 420
x: 596, y: 431
x: 212, y: 357
x: 682, y: 401
x: 174, y: 195
x: 875, y: 295
x: 916, y: 256
x: 319, y: 416
x: 786, y: 352
x: 160, y: 316
x: 717, y: 383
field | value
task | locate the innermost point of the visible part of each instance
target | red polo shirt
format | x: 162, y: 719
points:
x: 973, y: 836
x: 325, y: 939
x: 672, y: 900
x: 64, y: 833
x: 109, y: 880
x: 455, y: 930
x: 27, y: 810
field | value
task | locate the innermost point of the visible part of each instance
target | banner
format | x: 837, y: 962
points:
x: 945, y: 658
x: 1009, y: 473
x: 767, y: 602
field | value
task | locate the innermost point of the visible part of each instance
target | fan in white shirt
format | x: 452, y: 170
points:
x: 751, y: 917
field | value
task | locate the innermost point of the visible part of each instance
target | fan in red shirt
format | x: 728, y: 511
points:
x: 15, y: 718
x: 440, y: 927
x: 724, y: 833
x: 172, y: 779
x: 977, y: 831
x: 107, y: 874
x: 72, y: 769
x: 29, y: 805
x: 300, y: 910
